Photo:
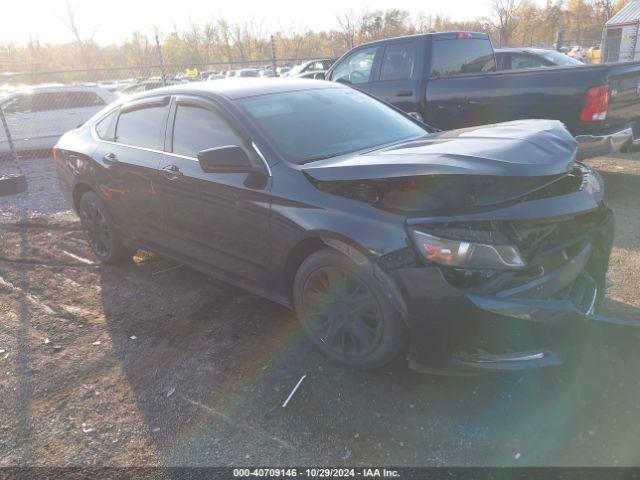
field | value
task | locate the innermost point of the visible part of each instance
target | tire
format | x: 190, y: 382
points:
x: 103, y: 237
x: 344, y: 312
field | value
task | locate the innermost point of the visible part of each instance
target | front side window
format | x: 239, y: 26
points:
x: 48, y: 101
x: 458, y: 57
x: 18, y: 104
x: 314, y: 124
x: 356, y: 68
x: 142, y: 127
x: 196, y: 129
x: 398, y: 61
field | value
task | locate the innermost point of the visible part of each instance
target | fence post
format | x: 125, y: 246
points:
x: 12, y: 183
x: 162, y: 71
x: 273, y: 56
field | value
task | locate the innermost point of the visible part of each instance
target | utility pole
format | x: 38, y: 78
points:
x: 162, y: 71
x: 273, y: 56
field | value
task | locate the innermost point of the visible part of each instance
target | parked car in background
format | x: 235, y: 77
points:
x: 594, y: 55
x: 317, y: 75
x: 382, y: 235
x: 450, y: 81
x: 248, y: 72
x: 577, y: 52
x: 308, y: 69
x: 38, y: 115
x: 147, y: 85
x: 521, y: 58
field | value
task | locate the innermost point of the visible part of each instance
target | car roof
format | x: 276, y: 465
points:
x: 58, y: 87
x: 523, y: 49
x: 450, y: 35
x: 235, y: 88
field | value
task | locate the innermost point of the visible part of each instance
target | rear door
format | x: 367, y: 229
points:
x: 220, y: 220
x: 399, y: 77
x: 80, y: 106
x: 357, y: 69
x: 454, y: 59
x: 53, y: 115
x: 130, y: 160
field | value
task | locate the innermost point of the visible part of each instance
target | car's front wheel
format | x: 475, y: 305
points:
x: 103, y: 237
x: 343, y: 310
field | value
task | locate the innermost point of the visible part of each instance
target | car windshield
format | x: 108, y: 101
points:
x: 558, y: 58
x: 315, y: 124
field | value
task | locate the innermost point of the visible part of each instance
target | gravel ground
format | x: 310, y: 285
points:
x: 154, y: 364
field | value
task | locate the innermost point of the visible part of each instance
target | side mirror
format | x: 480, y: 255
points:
x: 319, y: 76
x: 229, y: 159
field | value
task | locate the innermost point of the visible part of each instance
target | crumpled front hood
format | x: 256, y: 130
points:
x: 524, y: 148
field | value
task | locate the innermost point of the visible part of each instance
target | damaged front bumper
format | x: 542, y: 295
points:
x: 521, y: 323
x: 604, y: 144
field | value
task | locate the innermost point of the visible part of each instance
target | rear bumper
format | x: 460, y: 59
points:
x: 537, y: 324
x: 596, y: 145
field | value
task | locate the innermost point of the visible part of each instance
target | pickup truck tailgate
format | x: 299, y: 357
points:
x: 624, y: 103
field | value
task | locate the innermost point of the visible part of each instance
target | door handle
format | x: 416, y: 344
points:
x: 171, y: 172
x: 110, y: 159
x: 404, y: 93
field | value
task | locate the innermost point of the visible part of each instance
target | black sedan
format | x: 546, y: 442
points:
x: 522, y: 58
x: 477, y: 249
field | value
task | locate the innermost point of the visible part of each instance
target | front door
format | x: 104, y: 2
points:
x: 221, y: 220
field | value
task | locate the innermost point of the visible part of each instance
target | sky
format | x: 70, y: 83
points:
x: 111, y: 21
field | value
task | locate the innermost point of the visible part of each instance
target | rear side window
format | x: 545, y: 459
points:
x: 196, y: 129
x: 44, y: 102
x: 105, y: 127
x: 83, y: 99
x: 398, y: 61
x: 142, y: 127
x: 457, y: 57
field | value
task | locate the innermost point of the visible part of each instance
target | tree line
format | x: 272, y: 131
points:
x: 509, y: 22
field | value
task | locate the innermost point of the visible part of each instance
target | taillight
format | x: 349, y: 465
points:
x: 596, y: 104
x: 54, y: 152
x: 463, y: 36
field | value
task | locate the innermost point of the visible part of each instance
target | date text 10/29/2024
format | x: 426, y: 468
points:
x: 315, y: 472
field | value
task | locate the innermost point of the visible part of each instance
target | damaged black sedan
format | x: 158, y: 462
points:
x: 468, y: 250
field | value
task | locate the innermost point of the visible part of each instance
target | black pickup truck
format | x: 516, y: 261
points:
x: 449, y: 80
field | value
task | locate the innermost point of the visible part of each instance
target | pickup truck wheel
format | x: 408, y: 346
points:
x: 102, y: 235
x: 344, y: 312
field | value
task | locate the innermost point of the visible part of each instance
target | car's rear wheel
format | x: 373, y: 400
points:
x: 103, y: 237
x: 343, y: 310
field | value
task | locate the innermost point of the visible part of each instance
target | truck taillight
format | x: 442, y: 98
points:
x: 463, y: 36
x: 596, y: 104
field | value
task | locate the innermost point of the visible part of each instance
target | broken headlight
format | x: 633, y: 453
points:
x: 456, y: 253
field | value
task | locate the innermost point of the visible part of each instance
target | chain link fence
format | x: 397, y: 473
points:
x: 39, y: 106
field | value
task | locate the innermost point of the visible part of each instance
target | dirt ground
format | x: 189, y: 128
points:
x: 154, y: 364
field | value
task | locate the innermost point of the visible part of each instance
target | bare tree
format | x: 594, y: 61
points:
x: 506, y: 16
x: 69, y: 20
x: 347, y: 27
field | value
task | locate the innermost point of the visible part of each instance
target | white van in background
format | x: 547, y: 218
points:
x: 37, y: 116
